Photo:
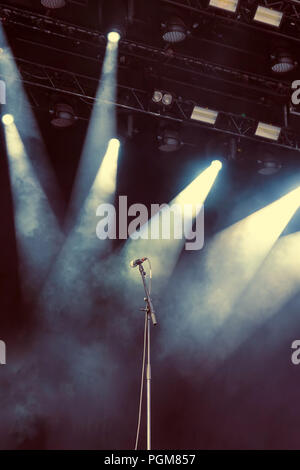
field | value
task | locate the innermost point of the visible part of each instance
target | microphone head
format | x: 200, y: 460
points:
x: 137, y: 262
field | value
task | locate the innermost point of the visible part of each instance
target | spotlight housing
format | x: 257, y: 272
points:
x: 164, y: 98
x: 157, y: 96
x: 174, y: 30
x: 64, y: 115
x: 204, y: 115
x: 52, y: 4
x: 268, y: 16
x: 169, y: 140
x: 7, y: 119
x: 268, y: 131
x: 268, y: 165
x: 283, y: 62
x: 228, y: 5
x: 167, y: 99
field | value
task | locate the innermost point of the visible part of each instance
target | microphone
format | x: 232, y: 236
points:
x: 137, y: 262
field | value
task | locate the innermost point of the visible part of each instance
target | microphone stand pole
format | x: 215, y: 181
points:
x: 150, y: 317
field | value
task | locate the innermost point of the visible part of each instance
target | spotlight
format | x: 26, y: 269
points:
x: 169, y: 140
x: 157, y: 96
x: 7, y: 119
x: 174, y: 30
x: 283, y: 62
x: 229, y: 5
x: 64, y: 115
x: 167, y: 99
x: 268, y: 16
x: 204, y: 115
x: 1, y: 51
x: 114, y: 36
x: 162, y: 98
x: 267, y: 131
x: 268, y: 165
x: 217, y: 165
x: 53, y: 3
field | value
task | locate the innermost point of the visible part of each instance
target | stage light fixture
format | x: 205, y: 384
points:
x: 7, y: 119
x: 174, y: 30
x: 167, y: 99
x: 204, y: 115
x: 157, y: 96
x: 169, y: 140
x: 53, y: 3
x: 162, y: 98
x: 229, y: 5
x: 268, y: 131
x: 114, y: 36
x: 268, y: 16
x: 64, y: 115
x: 268, y: 165
x: 283, y: 62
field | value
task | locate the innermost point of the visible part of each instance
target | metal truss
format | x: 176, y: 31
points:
x: 245, y: 13
x: 50, y: 79
x: 255, y: 83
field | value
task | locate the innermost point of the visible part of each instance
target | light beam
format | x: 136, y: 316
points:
x: 37, y: 232
x: 102, y: 128
x: 162, y: 238
x: 82, y: 250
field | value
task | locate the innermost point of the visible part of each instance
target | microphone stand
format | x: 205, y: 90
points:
x: 150, y: 317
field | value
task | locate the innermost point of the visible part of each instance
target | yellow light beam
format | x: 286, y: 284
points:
x: 162, y: 238
x: 37, y: 232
